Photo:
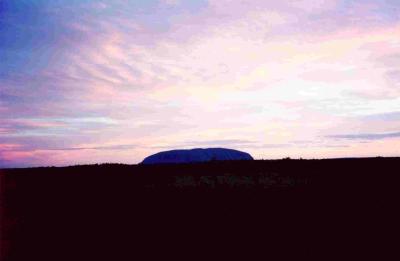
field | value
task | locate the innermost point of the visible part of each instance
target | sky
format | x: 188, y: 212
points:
x: 85, y: 82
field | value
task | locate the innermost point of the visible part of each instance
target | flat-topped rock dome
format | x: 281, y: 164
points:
x: 196, y: 155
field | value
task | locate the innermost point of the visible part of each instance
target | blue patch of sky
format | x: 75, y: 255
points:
x: 27, y: 34
x: 30, y: 31
x: 387, y: 11
x: 194, y: 5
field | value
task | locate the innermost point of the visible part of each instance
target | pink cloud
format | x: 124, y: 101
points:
x: 10, y: 146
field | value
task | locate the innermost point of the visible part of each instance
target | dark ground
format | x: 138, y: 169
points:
x: 119, y: 212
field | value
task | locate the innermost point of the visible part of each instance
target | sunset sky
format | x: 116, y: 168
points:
x: 85, y: 82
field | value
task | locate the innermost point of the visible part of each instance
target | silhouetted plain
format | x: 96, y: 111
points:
x: 119, y: 212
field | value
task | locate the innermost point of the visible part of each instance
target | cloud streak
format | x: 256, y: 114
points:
x: 366, y: 136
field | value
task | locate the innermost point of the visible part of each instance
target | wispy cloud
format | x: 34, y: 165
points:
x: 386, y: 117
x: 18, y: 147
x: 366, y: 136
x: 207, y: 143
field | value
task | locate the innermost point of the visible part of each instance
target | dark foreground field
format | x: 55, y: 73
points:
x: 117, y: 212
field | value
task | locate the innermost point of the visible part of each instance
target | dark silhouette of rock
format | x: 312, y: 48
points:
x: 196, y: 155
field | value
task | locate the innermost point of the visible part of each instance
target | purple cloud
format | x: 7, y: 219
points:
x: 366, y: 136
